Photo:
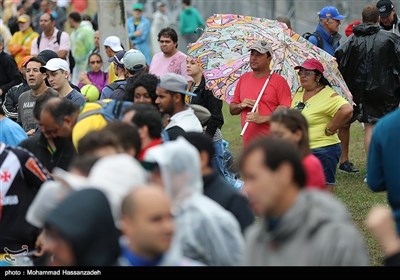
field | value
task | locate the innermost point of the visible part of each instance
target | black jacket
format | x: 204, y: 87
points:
x: 21, y: 177
x: 207, y: 99
x: 37, y: 145
x: 84, y: 221
x: 219, y: 190
x: 10, y: 104
x: 9, y: 74
x: 370, y: 64
x: 393, y: 260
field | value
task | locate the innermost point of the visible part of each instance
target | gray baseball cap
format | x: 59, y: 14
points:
x: 261, y: 46
x: 134, y: 60
x: 175, y: 83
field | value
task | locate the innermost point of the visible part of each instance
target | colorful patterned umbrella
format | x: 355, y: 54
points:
x: 223, y: 52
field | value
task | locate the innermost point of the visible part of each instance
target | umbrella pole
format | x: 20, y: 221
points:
x: 257, y: 102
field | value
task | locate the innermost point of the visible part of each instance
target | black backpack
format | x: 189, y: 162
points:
x: 58, y: 40
x: 320, y: 41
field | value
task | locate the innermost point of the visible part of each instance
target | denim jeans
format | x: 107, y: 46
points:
x: 329, y: 157
x: 220, y: 163
x: 218, y: 159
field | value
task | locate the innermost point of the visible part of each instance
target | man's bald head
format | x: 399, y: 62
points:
x: 147, y: 221
x: 141, y: 197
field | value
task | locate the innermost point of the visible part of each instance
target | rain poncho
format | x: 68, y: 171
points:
x: 370, y: 64
x: 205, y: 231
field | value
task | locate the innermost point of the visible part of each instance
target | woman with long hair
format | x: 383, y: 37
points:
x: 291, y: 125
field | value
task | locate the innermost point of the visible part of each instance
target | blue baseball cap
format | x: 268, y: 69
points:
x: 330, y: 12
x: 117, y: 59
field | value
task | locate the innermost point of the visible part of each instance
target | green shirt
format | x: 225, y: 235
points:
x: 189, y: 20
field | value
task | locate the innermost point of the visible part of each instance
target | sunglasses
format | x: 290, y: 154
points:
x: 300, y: 106
x: 95, y: 62
x: 307, y: 73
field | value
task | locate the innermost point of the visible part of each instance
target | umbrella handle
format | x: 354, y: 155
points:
x: 257, y: 102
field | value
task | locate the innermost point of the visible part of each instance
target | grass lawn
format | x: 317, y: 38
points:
x: 350, y: 187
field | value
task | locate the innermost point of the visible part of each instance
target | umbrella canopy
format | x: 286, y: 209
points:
x: 223, y: 52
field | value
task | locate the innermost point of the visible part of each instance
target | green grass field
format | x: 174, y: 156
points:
x: 351, y: 188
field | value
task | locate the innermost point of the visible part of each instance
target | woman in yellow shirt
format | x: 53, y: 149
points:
x: 326, y: 112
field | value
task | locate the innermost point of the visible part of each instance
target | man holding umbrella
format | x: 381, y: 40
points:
x: 274, y: 90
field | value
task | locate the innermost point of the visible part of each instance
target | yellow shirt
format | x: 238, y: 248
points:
x: 20, y: 44
x: 319, y: 110
x: 90, y: 123
x: 111, y: 74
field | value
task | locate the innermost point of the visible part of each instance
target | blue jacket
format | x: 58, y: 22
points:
x: 142, y: 42
x: 384, y: 161
x: 11, y: 133
x: 331, y: 42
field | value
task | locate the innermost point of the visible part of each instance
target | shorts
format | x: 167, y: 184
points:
x: 329, y: 157
x: 373, y: 110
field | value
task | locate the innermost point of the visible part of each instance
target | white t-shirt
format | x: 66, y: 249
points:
x: 186, y: 120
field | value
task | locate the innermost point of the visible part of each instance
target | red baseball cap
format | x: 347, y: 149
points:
x: 311, y: 64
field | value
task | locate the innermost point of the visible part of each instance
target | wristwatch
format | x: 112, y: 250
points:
x: 329, y: 132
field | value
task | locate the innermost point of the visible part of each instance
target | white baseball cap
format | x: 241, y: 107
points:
x: 114, y: 43
x: 55, y: 64
x: 134, y: 60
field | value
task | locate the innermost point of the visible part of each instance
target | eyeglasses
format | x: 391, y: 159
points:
x: 95, y: 62
x: 307, y: 73
x: 300, y: 106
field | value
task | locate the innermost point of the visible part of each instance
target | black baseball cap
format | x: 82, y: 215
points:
x: 385, y: 8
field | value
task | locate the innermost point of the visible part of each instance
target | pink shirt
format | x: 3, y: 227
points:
x: 315, y: 177
x: 161, y: 65
x: 47, y: 43
x: 276, y: 94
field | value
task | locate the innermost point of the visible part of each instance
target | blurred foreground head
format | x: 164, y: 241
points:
x: 81, y: 231
x: 147, y: 222
x: 273, y: 175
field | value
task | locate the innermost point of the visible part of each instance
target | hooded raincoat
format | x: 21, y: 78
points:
x: 370, y: 64
x: 206, y: 232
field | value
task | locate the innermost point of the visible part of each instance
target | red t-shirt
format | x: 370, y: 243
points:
x: 276, y: 94
x: 315, y: 177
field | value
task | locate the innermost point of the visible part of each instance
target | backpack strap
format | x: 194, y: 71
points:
x: 38, y: 40
x: 58, y: 38
x: 89, y: 113
x: 114, y: 86
x: 319, y: 39
x: 98, y: 111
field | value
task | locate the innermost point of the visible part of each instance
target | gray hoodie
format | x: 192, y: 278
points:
x: 316, y: 231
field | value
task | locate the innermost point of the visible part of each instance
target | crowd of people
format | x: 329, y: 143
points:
x: 128, y: 166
